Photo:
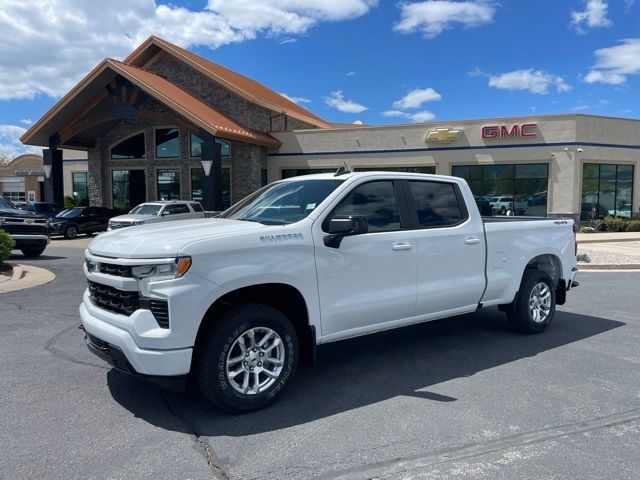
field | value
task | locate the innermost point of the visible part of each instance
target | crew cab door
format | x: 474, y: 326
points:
x: 370, y: 278
x: 450, y: 248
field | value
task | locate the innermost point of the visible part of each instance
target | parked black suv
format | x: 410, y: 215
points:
x: 28, y: 230
x: 74, y: 221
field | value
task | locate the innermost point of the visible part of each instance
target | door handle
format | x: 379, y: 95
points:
x: 471, y: 240
x: 401, y: 246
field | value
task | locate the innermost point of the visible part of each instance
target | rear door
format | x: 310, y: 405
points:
x: 450, y: 248
x: 371, y: 278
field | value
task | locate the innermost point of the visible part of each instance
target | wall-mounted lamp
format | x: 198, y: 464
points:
x: 206, y: 166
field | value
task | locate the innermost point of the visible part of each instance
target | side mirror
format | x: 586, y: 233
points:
x: 165, y: 213
x: 345, y: 226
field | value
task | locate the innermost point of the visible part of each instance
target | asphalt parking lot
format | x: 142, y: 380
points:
x: 462, y: 398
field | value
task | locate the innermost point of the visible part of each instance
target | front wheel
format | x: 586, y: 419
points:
x: 246, y: 358
x: 71, y: 232
x: 535, y: 305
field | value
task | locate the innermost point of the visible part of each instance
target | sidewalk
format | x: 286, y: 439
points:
x: 607, y: 237
x: 609, y: 251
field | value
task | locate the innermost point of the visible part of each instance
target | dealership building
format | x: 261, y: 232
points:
x: 168, y: 124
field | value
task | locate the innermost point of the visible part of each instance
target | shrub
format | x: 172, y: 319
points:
x: 617, y: 224
x: 6, y: 244
x: 69, y: 202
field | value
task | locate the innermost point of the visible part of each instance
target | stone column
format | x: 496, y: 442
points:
x: 54, y: 185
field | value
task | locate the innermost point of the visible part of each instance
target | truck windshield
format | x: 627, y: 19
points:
x: 146, y: 209
x: 282, y: 203
x: 4, y: 203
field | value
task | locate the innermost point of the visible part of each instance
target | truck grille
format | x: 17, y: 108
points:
x: 125, y: 303
x: 25, y: 229
x: 114, y: 300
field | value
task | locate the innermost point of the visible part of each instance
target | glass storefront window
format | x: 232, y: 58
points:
x: 168, y: 184
x: 196, y: 147
x: 130, y: 148
x: 607, y: 189
x: 79, y: 181
x: 520, y: 189
x: 120, y: 189
x: 167, y: 143
x: 196, y: 186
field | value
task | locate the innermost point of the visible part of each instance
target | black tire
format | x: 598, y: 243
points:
x: 32, y: 252
x: 503, y: 210
x: 520, y: 316
x: 216, y: 345
x: 71, y: 232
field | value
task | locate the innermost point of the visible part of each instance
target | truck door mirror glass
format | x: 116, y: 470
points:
x: 344, y: 226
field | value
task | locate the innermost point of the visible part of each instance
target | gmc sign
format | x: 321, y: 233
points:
x: 502, y: 131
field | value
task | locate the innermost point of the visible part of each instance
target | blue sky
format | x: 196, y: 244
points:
x: 346, y: 60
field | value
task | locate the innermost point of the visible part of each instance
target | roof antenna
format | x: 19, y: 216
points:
x: 343, y: 169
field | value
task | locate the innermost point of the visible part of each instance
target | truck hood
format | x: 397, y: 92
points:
x: 132, y: 217
x: 17, y: 213
x: 165, y: 239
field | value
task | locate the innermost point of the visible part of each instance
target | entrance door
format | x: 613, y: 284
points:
x: 137, y: 188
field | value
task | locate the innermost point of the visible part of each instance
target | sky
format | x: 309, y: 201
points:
x: 376, y: 61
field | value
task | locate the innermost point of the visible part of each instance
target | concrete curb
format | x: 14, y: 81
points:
x: 26, y: 276
x: 4, y: 279
x: 613, y: 266
x: 612, y: 240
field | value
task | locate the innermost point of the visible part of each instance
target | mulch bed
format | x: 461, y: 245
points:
x: 6, y: 269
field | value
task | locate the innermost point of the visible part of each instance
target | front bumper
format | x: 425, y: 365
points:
x: 124, y: 354
x: 26, y: 241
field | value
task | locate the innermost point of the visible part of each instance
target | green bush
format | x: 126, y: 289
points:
x: 69, y: 202
x: 616, y: 224
x: 6, y: 244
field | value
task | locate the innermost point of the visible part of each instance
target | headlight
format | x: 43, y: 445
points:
x: 163, y: 271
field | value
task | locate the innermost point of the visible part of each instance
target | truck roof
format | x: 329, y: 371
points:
x: 372, y: 174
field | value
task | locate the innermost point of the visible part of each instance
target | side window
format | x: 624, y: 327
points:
x: 169, y: 210
x: 376, y: 201
x: 436, y: 203
x: 182, y: 208
x: 196, y: 207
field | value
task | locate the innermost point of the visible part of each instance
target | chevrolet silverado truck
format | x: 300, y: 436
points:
x: 28, y: 230
x: 235, y: 301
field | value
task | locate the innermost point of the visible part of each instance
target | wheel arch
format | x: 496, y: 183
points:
x: 281, y: 296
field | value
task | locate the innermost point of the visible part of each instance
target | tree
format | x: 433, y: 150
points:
x: 4, y: 158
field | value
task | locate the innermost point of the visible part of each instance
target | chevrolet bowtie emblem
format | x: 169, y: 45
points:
x: 441, y: 135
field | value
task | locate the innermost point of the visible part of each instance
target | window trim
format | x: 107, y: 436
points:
x: 173, y: 169
x: 155, y: 142
x: 413, y: 210
x: 117, y: 168
x: 400, y: 200
x: 138, y: 132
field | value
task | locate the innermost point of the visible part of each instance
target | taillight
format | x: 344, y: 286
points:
x: 575, y: 238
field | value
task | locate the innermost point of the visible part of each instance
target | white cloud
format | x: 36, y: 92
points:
x: 594, y: 15
x: 350, y: 73
x: 9, y: 143
x: 613, y: 64
x: 336, y: 100
x: 297, y: 100
x: 48, y: 45
x: 416, y: 117
x: 415, y: 98
x: 432, y: 17
x: 26, y: 121
x: 534, y: 81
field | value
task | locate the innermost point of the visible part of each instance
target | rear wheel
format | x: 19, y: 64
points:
x: 32, y: 252
x: 246, y: 358
x: 535, y: 305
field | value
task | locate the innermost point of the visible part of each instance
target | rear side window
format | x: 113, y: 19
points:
x: 175, y: 209
x: 436, y: 203
x: 196, y: 207
x: 376, y: 201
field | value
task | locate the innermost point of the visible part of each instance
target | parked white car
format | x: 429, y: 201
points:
x: 237, y: 300
x: 154, y: 212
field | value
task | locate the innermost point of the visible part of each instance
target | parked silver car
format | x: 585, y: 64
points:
x: 153, y: 212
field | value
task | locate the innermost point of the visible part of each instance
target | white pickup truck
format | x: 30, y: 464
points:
x: 236, y: 300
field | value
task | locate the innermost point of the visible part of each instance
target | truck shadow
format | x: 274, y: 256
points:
x: 366, y: 370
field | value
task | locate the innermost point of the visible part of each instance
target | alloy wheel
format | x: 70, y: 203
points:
x: 255, y: 360
x: 540, y: 302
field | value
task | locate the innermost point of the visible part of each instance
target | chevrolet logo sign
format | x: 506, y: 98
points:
x: 443, y: 135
